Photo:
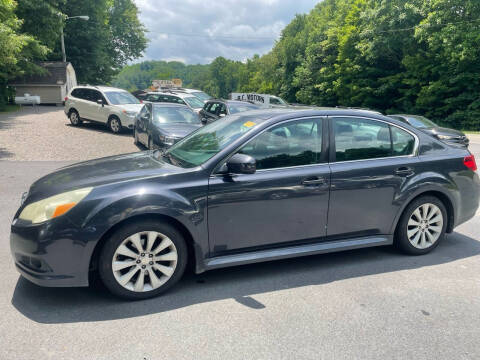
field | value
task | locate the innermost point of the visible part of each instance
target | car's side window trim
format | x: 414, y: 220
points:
x: 325, y: 144
x: 332, y: 158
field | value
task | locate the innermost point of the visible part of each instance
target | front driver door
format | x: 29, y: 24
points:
x: 285, y: 201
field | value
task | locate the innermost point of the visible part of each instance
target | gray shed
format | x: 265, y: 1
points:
x: 52, y: 87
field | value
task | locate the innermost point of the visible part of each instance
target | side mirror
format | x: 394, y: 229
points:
x: 100, y: 102
x: 222, y: 115
x: 241, y: 164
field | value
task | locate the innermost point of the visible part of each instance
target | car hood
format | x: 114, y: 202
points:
x: 131, y: 107
x: 178, y: 130
x: 438, y: 130
x: 101, y: 171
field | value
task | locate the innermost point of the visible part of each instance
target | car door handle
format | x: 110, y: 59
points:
x: 313, y: 181
x: 404, y: 171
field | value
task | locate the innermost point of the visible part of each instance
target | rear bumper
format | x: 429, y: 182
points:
x: 46, y: 259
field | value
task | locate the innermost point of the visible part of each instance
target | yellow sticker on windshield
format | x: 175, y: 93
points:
x: 249, y: 124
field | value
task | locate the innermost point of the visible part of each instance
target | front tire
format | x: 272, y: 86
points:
x: 143, y: 260
x: 422, y: 226
x: 114, y: 125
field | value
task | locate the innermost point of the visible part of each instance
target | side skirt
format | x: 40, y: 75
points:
x: 297, y: 251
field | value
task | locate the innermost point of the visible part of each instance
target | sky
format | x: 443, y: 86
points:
x: 197, y: 31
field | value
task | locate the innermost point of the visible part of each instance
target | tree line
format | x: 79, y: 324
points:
x: 97, y: 48
x: 396, y: 56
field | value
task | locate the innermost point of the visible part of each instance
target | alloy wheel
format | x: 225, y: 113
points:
x: 144, y: 261
x: 115, y: 125
x: 74, y: 118
x: 425, y: 226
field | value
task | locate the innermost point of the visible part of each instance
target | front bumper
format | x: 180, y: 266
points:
x: 127, y: 121
x: 47, y: 254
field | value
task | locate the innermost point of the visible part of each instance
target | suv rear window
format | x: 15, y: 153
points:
x: 79, y: 93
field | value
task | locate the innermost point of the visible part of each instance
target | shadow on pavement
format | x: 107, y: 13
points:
x: 69, y: 305
x: 92, y: 126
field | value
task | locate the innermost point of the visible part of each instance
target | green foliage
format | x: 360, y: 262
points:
x: 16, y: 50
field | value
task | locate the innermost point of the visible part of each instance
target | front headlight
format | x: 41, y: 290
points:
x: 444, y: 137
x: 167, y: 140
x: 53, y: 206
x: 130, y: 113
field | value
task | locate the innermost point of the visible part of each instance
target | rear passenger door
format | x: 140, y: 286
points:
x: 371, y: 161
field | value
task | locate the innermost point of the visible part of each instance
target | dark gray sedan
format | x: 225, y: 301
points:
x: 160, y: 125
x: 428, y: 126
x: 260, y: 185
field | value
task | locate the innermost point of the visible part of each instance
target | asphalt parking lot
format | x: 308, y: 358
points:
x: 364, y: 304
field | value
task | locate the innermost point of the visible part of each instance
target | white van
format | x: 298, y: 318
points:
x: 263, y: 100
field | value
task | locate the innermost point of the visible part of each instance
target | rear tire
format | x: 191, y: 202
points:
x: 74, y: 117
x: 144, y: 273
x: 422, y: 226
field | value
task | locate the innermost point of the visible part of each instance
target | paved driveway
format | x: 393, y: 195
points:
x: 365, y: 304
x: 44, y: 134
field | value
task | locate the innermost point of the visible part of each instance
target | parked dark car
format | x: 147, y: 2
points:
x: 255, y: 186
x: 428, y: 126
x: 160, y: 125
x: 215, y: 109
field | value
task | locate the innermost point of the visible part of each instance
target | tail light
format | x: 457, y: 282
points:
x: 66, y: 98
x: 141, y: 101
x: 469, y: 162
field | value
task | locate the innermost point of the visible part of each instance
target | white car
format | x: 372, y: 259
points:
x: 176, y: 97
x: 114, y: 107
x: 198, y: 93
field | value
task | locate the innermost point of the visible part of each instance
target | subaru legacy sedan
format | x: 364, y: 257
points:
x: 259, y: 185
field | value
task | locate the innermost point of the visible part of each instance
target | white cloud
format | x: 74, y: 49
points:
x: 198, y: 31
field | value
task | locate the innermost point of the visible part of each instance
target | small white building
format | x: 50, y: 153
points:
x: 52, y: 87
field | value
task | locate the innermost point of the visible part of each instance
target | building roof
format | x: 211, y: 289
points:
x: 56, y: 75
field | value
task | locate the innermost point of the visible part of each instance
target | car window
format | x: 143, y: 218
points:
x: 201, y: 95
x: 222, y: 110
x: 213, y: 108
x: 292, y: 144
x: 174, y: 114
x: 96, y: 95
x: 275, y: 101
x: 79, y: 93
x: 403, y: 142
x: 359, y: 139
x: 193, y: 102
x: 201, y: 145
x: 121, y: 98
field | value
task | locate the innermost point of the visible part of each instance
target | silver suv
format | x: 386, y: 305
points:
x: 111, y: 106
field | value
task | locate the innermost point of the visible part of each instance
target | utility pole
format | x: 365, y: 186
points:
x: 62, y: 39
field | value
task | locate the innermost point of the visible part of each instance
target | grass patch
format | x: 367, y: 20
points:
x: 10, y: 108
x: 471, y: 132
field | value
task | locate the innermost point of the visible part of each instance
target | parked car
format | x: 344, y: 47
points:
x: 215, y: 109
x: 273, y: 184
x: 191, y: 101
x: 263, y: 100
x: 198, y: 93
x: 428, y: 126
x: 160, y: 125
x: 111, y: 106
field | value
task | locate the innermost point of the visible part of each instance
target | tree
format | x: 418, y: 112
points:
x: 16, y: 50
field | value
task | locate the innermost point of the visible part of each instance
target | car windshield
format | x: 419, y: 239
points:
x: 177, y: 114
x: 236, y: 108
x: 201, y: 95
x: 209, y: 140
x: 121, y: 98
x: 420, y: 122
x: 194, y: 102
x: 277, y: 101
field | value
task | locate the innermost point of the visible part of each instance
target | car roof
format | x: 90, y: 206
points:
x: 285, y: 113
x: 179, y: 94
x: 166, y: 104
x: 99, y: 87
x: 226, y: 101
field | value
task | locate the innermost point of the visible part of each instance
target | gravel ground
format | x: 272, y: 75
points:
x: 44, y: 134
